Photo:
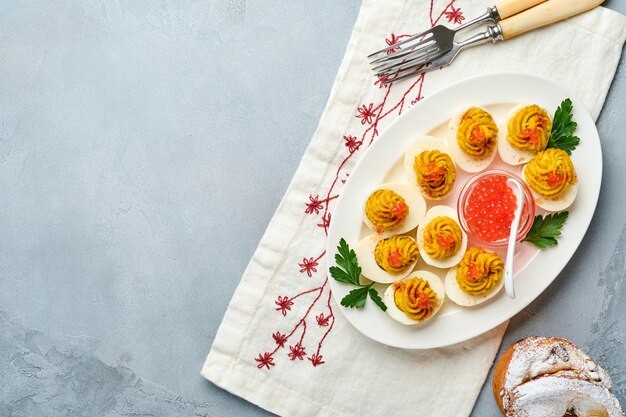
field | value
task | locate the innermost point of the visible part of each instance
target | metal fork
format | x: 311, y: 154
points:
x: 544, y: 14
x: 436, y: 41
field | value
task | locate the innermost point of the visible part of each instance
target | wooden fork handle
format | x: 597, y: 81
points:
x: 544, y: 14
x: 508, y: 8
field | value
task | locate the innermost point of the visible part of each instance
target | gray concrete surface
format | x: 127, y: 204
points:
x: 124, y: 127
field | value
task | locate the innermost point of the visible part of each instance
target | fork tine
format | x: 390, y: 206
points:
x: 422, y: 57
x: 411, y: 74
x: 406, y: 64
x: 435, y: 65
x: 409, y: 57
x: 398, y: 55
x: 395, y: 45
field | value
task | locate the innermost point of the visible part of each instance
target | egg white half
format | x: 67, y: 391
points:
x: 412, y: 197
x: 432, y: 213
x: 554, y: 204
x: 392, y: 309
x: 464, y: 161
x: 369, y: 268
x: 460, y: 297
x: 508, y: 153
x: 419, y: 145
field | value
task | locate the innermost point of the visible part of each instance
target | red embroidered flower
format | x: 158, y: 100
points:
x: 297, y: 351
x: 325, y: 222
x: 382, y: 79
x: 321, y: 320
x: 284, y: 304
x: 352, y: 144
x: 454, y: 15
x: 315, y: 205
x: 394, y: 40
x: 280, y: 339
x: 316, y: 359
x: 265, y: 359
x: 366, y: 113
x: 308, y: 265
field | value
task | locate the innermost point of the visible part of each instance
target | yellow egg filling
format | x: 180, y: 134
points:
x: 435, y: 173
x: 479, y: 271
x: 442, y: 237
x: 386, y: 209
x: 396, y: 254
x: 550, y: 173
x: 477, y: 133
x: 416, y: 299
x: 529, y: 129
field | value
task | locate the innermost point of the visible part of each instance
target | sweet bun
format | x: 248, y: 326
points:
x: 552, y: 377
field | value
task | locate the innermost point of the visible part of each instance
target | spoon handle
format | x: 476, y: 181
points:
x: 510, y: 252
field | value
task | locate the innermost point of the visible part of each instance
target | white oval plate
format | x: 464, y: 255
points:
x: 535, y: 269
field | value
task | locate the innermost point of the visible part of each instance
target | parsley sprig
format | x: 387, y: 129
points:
x: 348, y: 271
x: 563, y: 127
x: 545, y: 230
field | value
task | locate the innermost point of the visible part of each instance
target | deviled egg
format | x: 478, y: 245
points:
x: 525, y: 133
x: 473, y: 136
x: 386, y: 260
x: 393, y: 208
x: 552, y: 179
x: 428, y: 164
x: 476, y: 279
x: 416, y: 298
x: 440, y: 239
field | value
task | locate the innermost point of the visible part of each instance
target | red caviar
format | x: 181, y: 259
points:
x: 490, y: 208
x: 472, y: 272
x: 445, y: 241
x: 400, y: 210
x: 555, y: 179
x: 435, y: 172
x: 395, y: 259
x: 423, y: 302
x: 532, y: 135
x: 477, y: 135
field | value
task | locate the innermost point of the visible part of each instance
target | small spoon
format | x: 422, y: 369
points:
x: 510, y: 252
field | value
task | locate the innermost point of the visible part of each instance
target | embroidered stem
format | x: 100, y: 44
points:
x: 370, y: 114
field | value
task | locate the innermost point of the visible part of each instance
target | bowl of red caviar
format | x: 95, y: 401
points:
x: 487, y: 206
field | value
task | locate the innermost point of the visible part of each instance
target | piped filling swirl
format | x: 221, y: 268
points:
x: 395, y: 254
x: 477, y: 133
x: 442, y: 237
x: 416, y: 299
x: 550, y: 173
x: 479, y: 271
x: 386, y: 209
x: 435, y: 173
x: 529, y: 129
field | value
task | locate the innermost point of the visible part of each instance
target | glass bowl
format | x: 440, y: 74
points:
x: 528, y: 212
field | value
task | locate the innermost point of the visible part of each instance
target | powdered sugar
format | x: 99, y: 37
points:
x: 547, y: 377
x: 553, y: 396
x: 537, y: 356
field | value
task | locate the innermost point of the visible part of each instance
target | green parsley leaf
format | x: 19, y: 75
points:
x: 562, y: 134
x: 545, y: 230
x: 348, y: 271
x: 376, y: 299
x: 340, y: 275
x: 346, y: 259
x: 355, y: 298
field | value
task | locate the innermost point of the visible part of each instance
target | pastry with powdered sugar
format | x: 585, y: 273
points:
x: 551, y: 377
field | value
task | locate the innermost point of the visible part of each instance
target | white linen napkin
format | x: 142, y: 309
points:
x: 283, y: 344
